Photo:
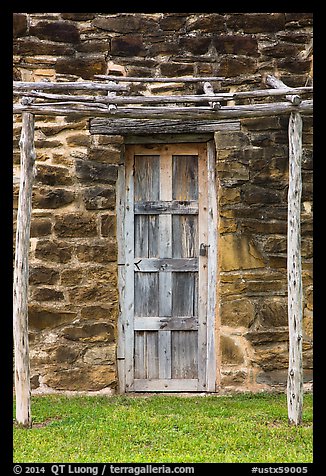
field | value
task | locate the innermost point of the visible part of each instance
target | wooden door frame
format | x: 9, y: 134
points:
x: 124, y: 235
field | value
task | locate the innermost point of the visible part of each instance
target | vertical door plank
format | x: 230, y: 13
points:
x: 147, y: 177
x: 184, y: 354
x: 141, y: 236
x: 164, y: 357
x: 165, y: 251
x: 152, y: 354
x: 129, y: 269
x: 153, y: 236
x: 211, y: 271
x: 140, y: 363
x: 185, y: 236
x: 202, y: 277
x: 185, y: 177
x: 183, y: 288
x: 146, y: 294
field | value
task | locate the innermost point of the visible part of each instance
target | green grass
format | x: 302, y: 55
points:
x: 241, y: 428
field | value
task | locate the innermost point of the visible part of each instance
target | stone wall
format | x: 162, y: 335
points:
x: 73, y: 256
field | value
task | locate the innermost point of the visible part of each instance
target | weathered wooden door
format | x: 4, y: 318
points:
x: 166, y: 342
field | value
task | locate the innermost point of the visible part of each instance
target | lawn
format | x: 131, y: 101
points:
x: 163, y: 428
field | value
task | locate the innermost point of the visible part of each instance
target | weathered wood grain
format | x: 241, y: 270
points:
x: 165, y: 385
x: 212, y: 328
x: 21, y: 274
x: 184, y: 354
x: 167, y: 207
x: 165, y: 323
x: 295, y: 300
x: 148, y: 127
x: 202, y: 265
x: 278, y: 84
x: 152, y: 265
x: 129, y: 295
x: 168, y: 112
x: 121, y: 325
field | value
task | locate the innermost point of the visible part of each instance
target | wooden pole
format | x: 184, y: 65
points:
x: 164, y: 112
x: 21, y: 273
x: 295, y: 373
x: 277, y: 83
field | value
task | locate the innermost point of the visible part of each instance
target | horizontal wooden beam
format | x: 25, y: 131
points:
x: 209, y: 96
x: 175, y: 207
x: 181, y: 79
x: 155, y: 323
x: 149, y: 127
x: 68, y: 85
x: 164, y: 385
x: 190, y: 113
x: 152, y: 265
x: 170, y: 138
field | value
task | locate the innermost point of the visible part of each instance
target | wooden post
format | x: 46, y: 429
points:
x: 295, y: 373
x: 21, y: 273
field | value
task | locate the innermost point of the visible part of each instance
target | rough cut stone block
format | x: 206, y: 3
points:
x: 235, y: 66
x: 231, y: 352
x: 84, y: 67
x: 92, y: 293
x: 28, y: 46
x: 52, y: 198
x: 255, y: 195
x: 92, y: 332
x: 177, y: 69
x: 89, y: 172
x: 108, y: 225
x: 99, y: 198
x: 238, y: 312
x: 108, y: 155
x: 172, y: 22
x: 43, y: 275
x: 47, y: 294
x: 98, y: 253
x: 233, y: 377
x: 239, y: 252
x: 78, y: 16
x: 40, y: 227
x: 79, y: 379
x: 272, y: 356
x: 40, y: 318
x: 236, y: 44
x: 49, y: 250
x: 19, y: 24
x: 71, y: 277
x: 65, y: 354
x: 128, y: 45
x: 74, y: 225
x: 197, y: 45
x: 207, y: 23
x: 52, y: 175
x: 256, y: 22
x: 99, y: 313
x: 103, y: 355
x: 55, y: 31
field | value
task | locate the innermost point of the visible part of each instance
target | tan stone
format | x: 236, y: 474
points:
x: 238, y: 252
x: 79, y: 379
x: 228, y: 196
x: 238, y: 312
x: 272, y: 356
x: 100, y: 355
x: 232, y: 377
x: 231, y: 352
x: 308, y: 323
x: 90, y: 332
